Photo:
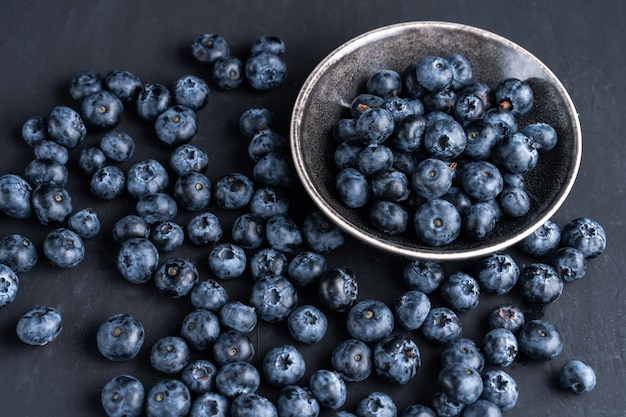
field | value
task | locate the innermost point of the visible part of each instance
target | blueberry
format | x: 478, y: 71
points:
x: 123, y: 396
x: 409, y: 133
x: 441, y: 325
x: 248, y: 231
x: 238, y: 316
x: 156, y: 207
x: 585, y: 234
x: 191, y: 92
x: 268, y: 201
x: 233, y: 190
x: 506, y: 316
x: 481, y: 180
x: 188, y: 158
x: 569, y: 263
x: 210, y: 404
x: 252, y: 405
x: 200, y: 328
x: 283, y: 234
x: 254, y: 120
x: 364, y: 101
x: 208, y: 295
x: 307, y: 324
x: 39, y: 326
x: 459, y: 199
x: 461, y: 291
x: 63, y: 248
x: 117, y: 146
x: 237, y: 378
x: 514, y: 201
x: 418, y: 410
x: 432, y: 178
x: 176, y: 125
x: 152, y: 100
x: 85, y: 223
x: 384, y: 83
x: 274, y: 298
x: 540, y: 283
x: 481, y: 139
x: 227, y: 261
x: 353, y: 360
x: 445, y: 407
x: 40, y: 171
x: 441, y: 100
x: 517, y: 153
x: 265, y: 142
x: 541, y: 135
x: 460, y: 382
x: 52, y: 203
x: 128, y: 227
x: 468, y: 107
x: 199, y: 376
x: 500, y: 388
x: 375, y: 125
x: 47, y: 149
x: 423, y: 275
x: 101, y: 110
x: 267, y: 262
x: 389, y: 217
x: 411, y: 309
x: 275, y: 170
x: 9, y: 285
x: 540, y: 340
x: 145, y: 177
x: 542, y: 241
x: 85, y: 83
x: 346, y: 154
x: 18, y: 253
x: 168, y: 398
x: 503, y: 121
x: 345, y: 131
x: 513, y: 180
x: 209, y: 47
x: 35, y: 130
x: 204, y: 229
x: 265, y: 71
x: 500, y: 347
x: 401, y: 107
x: 577, y: 377
x: 107, y: 182
x: 66, y: 127
x: 124, y: 84
x: 434, y: 73
x: 376, y: 404
x: 169, y: 354
x: 514, y: 95
x: 353, y: 187
x: 297, y: 401
x: 497, y: 273
x: 167, y: 236
x: 137, y: 260
x: 461, y: 70
x: 228, y: 72
x: 306, y: 268
x: 120, y: 337
x: 437, y: 222
x: 283, y: 365
x: 338, y: 289
x: 176, y: 277
x: 482, y: 408
x: 410, y: 86
x: 232, y: 346
x: 268, y: 43
x: 397, y: 359
x: 463, y: 351
x: 328, y: 388
x: 369, y: 321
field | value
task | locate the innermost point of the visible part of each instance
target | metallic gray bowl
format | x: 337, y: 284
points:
x: 329, y: 89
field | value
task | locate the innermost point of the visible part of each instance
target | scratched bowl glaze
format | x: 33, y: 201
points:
x: 329, y: 89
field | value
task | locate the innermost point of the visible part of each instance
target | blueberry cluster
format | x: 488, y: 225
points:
x: 433, y: 148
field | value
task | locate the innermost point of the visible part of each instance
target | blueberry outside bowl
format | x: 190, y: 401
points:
x: 338, y: 78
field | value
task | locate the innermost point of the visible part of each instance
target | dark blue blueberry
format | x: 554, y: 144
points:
x: 500, y: 347
x: 267, y: 202
x: 389, y: 217
x: 283, y: 234
x: 514, y: 95
x: 167, y: 236
x: 500, y: 388
x: 328, y: 388
x: 577, y: 377
x: 176, y: 277
x: 353, y: 187
x: 128, y: 227
x: 506, y: 316
x: 343, y: 414
x: 152, y: 100
x: 586, y: 235
x: 47, y: 149
x: 274, y: 298
x: 441, y: 325
x: 513, y: 180
x: 497, y: 273
x: 307, y: 324
x: 145, y: 177
x: 569, y: 263
x: 66, y: 127
x: 514, y: 201
x: 384, y: 83
x: 306, y: 268
x: 233, y: 190
x: 481, y: 139
x: 91, y: 159
x: 320, y: 234
x: 124, y: 84
x: 209, y: 295
x: 411, y: 309
x: 445, y: 139
x: 375, y: 125
x: 369, y: 321
x: 137, y: 259
x: 123, y: 396
x: 232, y: 346
x: 227, y: 260
x: 192, y: 191
x: 200, y: 328
x: 461, y: 383
x: 374, y: 159
x: 461, y: 70
x: 252, y: 405
x: 63, y: 248
x: 418, y: 410
x: 199, y: 376
x: 481, y: 180
x: 482, y: 408
x: 120, y: 337
x: 481, y: 90
x: 9, y: 285
x: 423, y: 275
x: 353, y: 360
x: 85, y: 222
x: 397, y: 359
x: 101, y: 110
x: 209, y: 47
x: 157, y: 207
x: 541, y: 135
x: 39, y: 326
x: 410, y: 86
x: 437, y: 222
x: 468, y: 107
x: 228, y: 72
x: 435, y: 116
x: 463, y: 351
x: 267, y: 262
x: 409, y: 133
x: 543, y: 241
x: 265, y: 71
x: 188, y: 158
x: 191, y: 92
x: 434, y: 73
x: 248, y: 231
x: 265, y: 142
x: 84, y: 84
x: 442, y: 100
x: 401, y: 107
x: 540, y: 283
x: 540, y: 340
x: 210, y: 404
x: 338, y: 289
x: 275, y: 170
x: 237, y: 378
x: 170, y: 354
x: 117, y: 146
x: 503, y: 121
x: 459, y: 199
x: 204, y: 229
x: 364, y: 102
x: 283, y: 365
x: 238, y: 316
x: 168, y: 398
x: 176, y: 125
x: 517, y: 153
x: 445, y: 407
x: 461, y: 291
x: 40, y: 171
x: 35, y: 130
x: 254, y: 120
x: 297, y: 401
x: 18, y: 252
x: 432, y: 178
x: 268, y: 43
x: 345, y: 131
x: 376, y: 404
x: 346, y: 154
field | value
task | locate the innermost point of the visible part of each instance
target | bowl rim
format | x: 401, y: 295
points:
x: 434, y: 254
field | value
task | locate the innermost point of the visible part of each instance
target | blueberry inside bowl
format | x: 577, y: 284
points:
x: 328, y: 91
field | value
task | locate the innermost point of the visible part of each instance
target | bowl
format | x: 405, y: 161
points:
x: 328, y: 91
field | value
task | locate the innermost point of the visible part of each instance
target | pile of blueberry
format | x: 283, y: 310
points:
x: 283, y: 258
x: 433, y: 148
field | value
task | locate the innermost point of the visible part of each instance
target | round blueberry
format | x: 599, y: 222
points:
x: 540, y: 283
x: 101, y: 110
x: 168, y: 397
x: 423, y: 275
x: 157, y: 207
x: 47, y: 149
x: 411, y: 309
x: 307, y: 324
x: 391, y: 185
x: 199, y: 376
x: 238, y: 316
x: 64, y: 248
x: 506, y: 316
x: 389, y: 217
x: 437, y: 222
x: 267, y: 202
x: 497, y: 273
x: 254, y: 120
x: 569, y: 263
x: 514, y: 201
x: 204, y: 229
x: 152, y: 100
x: 500, y: 347
x: 18, y: 253
x: 441, y: 325
x: 542, y: 136
x: 248, y: 231
x: 85, y: 83
x: 237, y: 378
x: 265, y: 71
x: 328, y: 388
x: 233, y: 191
x: 461, y: 383
x: 283, y: 365
x: 517, y: 153
x: 462, y: 351
x: 540, y: 340
x: 480, y: 220
x: 169, y: 354
x: 384, y: 83
x: 209, y: 295
x: 577, y: 377
x: 232, y: 346
x: 210, y: 404
x: 35, y: 130
x: 124, y: 84
x: 209, y: 47
x: 85, y: 223
x: 145, y: 177
x: 200, y: 328
x: 306, y: 268
x: 267, y: 141
x: 228, y: 72
x: 397, y: 359
x: 52, y: 203
x: 376, y: 404
x: 274, y: 298
x: 374, y: 158
x: 461, y: 291
x: 481, y: 180
x: 9, y: 285
x: 267, y: 262
x: 274, y: 170
x: 434, y: 73
x: 320, y: 234
x: 167, y: 236
x: 40, y: 171
x: 353, y: 360
x: 514, y: 95
x: 346, y: 154
x: 252, y: 405
x: 482, y: 408
x: 227, y: 261
x: 500, y: 388
x: 375, y: 125
x: 120, y: 337
x: 176, y: 125
x: 123, y: 396
x: 188, y: 158
x: 191, y: 92
x: 297, y: 401
x: 117, y: 146
x: 338, y: 289
x: 369, y: 321
x: 283, y: 234
x: 107, y: 182
x: 39, y: 326
x: 481, y: 139
x: 353, y: 187
x: 128, y: 227
x: 543, y: 241
x: 66, y: 127
x: 585, y: 234
x: 137, y: 260
x: 176, y: 277
x: 15, y: 196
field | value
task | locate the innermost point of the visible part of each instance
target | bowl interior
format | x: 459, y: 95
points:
x: 333, y: 84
